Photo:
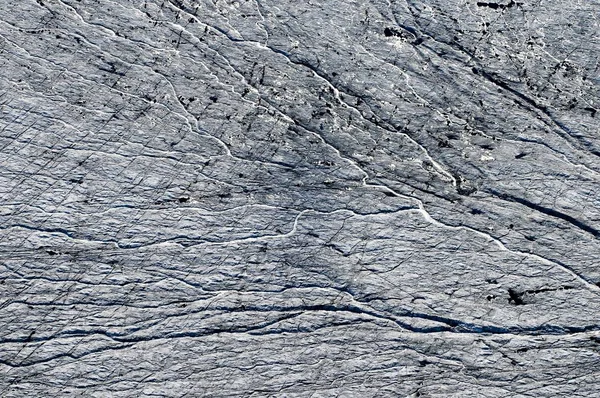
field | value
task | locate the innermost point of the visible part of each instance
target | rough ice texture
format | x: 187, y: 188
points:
x: 299, y: 198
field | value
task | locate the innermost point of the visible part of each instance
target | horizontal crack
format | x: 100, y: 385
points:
x: 548, y: 211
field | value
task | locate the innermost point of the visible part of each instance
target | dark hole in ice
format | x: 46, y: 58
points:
x: 515, y: 297
x: 591, y: 110
x: 466, y: 191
